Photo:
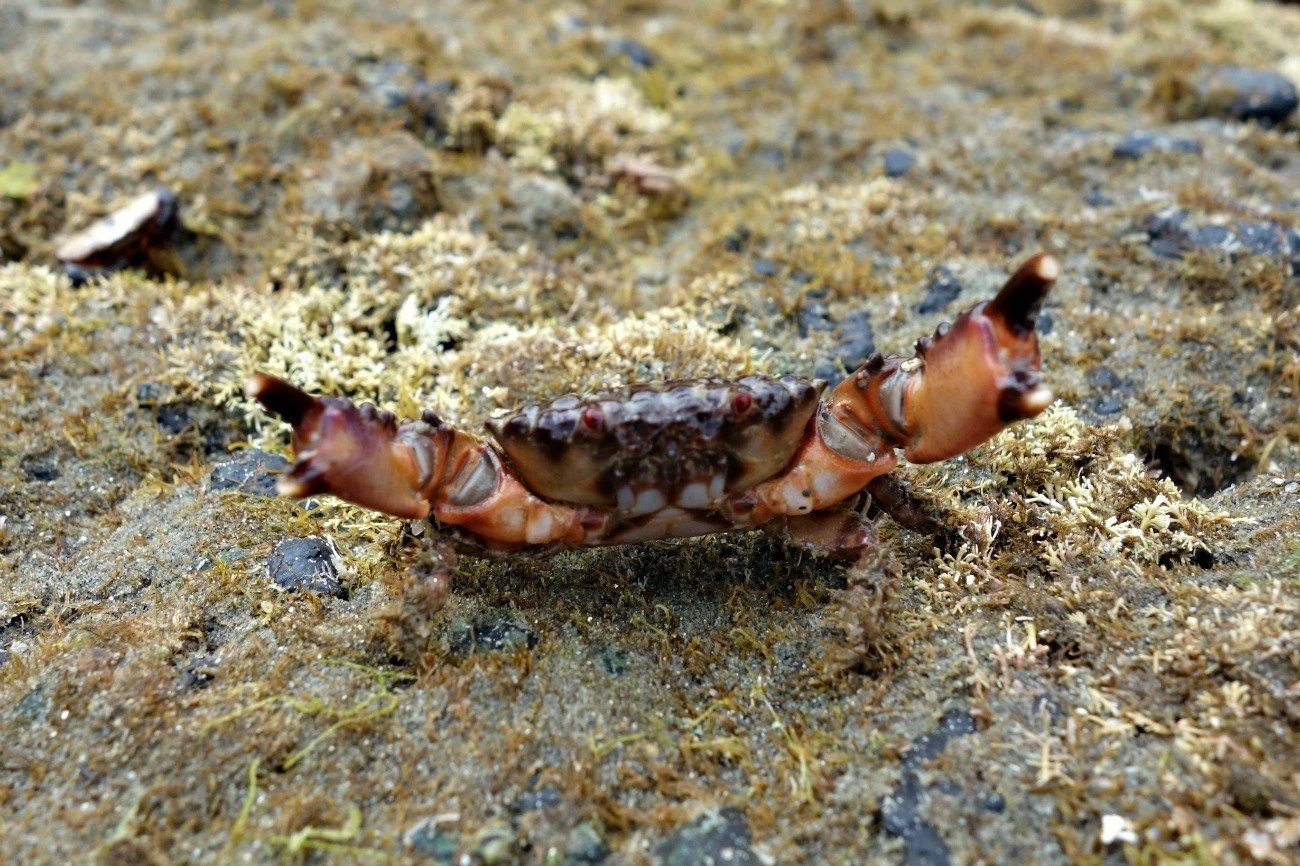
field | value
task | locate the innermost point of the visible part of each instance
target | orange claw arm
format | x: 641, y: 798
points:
x: 966, y: 383
x: 357, y: 453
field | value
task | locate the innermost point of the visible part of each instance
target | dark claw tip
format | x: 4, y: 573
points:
x: 1022, y: 296
x: 278, y: 396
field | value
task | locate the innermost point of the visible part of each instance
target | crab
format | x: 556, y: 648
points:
x: 686, y: 457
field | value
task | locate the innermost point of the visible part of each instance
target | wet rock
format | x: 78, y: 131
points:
x: 585, y: 847
x: 430, y: 843
x: 995, y: 803
x: 309, y: 564
x: 40, y: 467
x: 377, y: 184
x: 899, y: 162
x: 717, y: 839
x: 942, y: 290
x: 900, y: 812
x: 124, y: 238
x: 1243, y: 94
x: 490, y: 633
x: 1136, y: 145
x: 249, y: 471
x: 541, y: 207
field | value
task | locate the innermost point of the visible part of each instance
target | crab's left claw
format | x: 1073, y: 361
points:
x: 356, y: 453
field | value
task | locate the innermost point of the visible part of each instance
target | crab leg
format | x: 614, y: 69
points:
x: 418, y: 469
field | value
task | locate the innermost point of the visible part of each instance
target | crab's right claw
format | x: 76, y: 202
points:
x: 349, y: 451
x: 983, y: 373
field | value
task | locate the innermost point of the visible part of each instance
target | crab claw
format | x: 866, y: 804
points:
x: 1022, y: 297
x: 353, y: 452
x: 984, y: 372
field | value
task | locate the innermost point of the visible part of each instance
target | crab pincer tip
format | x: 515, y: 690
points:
x: 278, y: 396
x: 1023, y: 294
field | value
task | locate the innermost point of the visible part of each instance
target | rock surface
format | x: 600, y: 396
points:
x: 469, y: 206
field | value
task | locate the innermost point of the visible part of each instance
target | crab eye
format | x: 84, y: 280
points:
x: 593, y: 419
x: 741, y: 403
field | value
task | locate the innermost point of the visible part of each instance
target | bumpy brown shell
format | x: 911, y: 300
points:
x: 688, y: 442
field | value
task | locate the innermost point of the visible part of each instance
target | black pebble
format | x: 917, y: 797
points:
x: 1261, y: 95
x: 40, y: 467
x: 1136, y: 145
x: 305, y: 564
x: 634, y: 51
x: 898, y: 162
x: 1108, y: 404
x: 942, y: 290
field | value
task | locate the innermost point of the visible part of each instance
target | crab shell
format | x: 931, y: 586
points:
x: 689, y: 443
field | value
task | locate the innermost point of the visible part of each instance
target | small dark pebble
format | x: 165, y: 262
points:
x: 249, y: 472
x: 40, y: 467
x: 543, y: 798
x: 738, y: 239
x: 1045, y: 324
x: 995, y: 803
x: 173, y: 417
x: 148, y: 394
x: 613, y: 661
x: 490, y: 634
x: 1241, y: 93
x: 199, y: 673
x: 1136, y: 145
x: 898, y: 162
x: 431, y: 843
x: 1108, y: 404
x: 1096, y: 198
x: 305, y: 564
x: 813, y: 317
x: 717, y: 839
x: 765, y: 268
x: 941, y: 291
x: 634, y: 51
x: 1104, y: 377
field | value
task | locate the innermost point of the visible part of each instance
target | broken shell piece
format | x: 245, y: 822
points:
x: 122, y: 238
